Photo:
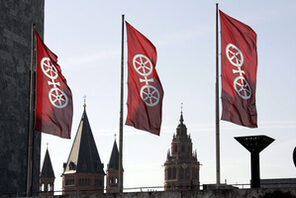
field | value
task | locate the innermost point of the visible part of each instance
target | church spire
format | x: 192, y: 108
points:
x: 84, y: 102
x: 181, y: 116
x: 181, y: 129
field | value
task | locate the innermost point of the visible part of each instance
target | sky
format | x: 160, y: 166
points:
x: 86, y: 36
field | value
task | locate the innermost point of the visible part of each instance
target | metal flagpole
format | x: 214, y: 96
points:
x: 120, y: 182
x: 217, y: 105
x: 31, y: 122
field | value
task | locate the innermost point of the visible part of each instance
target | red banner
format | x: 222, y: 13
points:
x: 239, y: 70
x: 54, y: 109
x: 145, y: 92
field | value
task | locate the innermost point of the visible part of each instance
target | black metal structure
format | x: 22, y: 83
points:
x: 255, y: 144
x: 294, y: 156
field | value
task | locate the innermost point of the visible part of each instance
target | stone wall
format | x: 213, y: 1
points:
x: 17, y: 17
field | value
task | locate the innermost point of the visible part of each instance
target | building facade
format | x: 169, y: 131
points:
x: 181, y: 167
x: 83, y: 172
x: 17, y: 18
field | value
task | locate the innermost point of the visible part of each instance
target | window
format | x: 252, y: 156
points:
x: 181, y: 173
x: 69, y: 182
x: 176, y: 148
x: 174, y: 173
x: 187, y: 173
x: 72, y: 166
x: 169, y: 173
x: 42, y: 187
x: 99, y: 182
x: 83, y: 181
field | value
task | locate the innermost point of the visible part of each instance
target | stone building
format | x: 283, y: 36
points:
x: 17, y: 18
x: 181, y: 166
x: 83, y: 172
x: 47, y: 177
x: 113, y: 171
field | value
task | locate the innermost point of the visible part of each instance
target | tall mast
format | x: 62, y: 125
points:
x: 217, y: 104
x: 120, y: 182
x: 31, y: 122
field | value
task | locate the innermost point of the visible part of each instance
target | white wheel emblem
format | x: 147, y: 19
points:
x: 48, y: 68
x: 150, y: 95
x: 144, y: 67
x: 56, y: 96
x: 242, y: 87
x: 240, y: 84
x: 234, y: 55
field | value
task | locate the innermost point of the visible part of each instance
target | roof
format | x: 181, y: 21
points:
x: 114, y: 158
x: 47, y: 170
x: 84, y: 156
x: 181, y: 129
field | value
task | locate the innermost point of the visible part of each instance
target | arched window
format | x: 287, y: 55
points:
x: 169, y: 173
x: 181, y: 173
x: 174, y: 173
x: 176, y: 148
x: 183, y: 148
x: 187, y: 173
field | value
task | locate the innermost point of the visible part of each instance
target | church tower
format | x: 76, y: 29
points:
x: 181, y: 166
x: 113, y: 171
x: 47, y: 177
x: 83, y: 172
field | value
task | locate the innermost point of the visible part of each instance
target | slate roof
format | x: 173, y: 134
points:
x: 47, y: 170
x: 114, y: 161
x: 84, y: 156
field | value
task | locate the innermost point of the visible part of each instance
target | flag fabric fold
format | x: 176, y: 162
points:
x: 145, y: 92
x: 238, y: 71
x: 54, y: 108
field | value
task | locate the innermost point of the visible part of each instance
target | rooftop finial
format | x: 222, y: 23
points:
x: 114, y: 136
x: 181, y: 117
x: 47, y: 145
x: 84, y: 101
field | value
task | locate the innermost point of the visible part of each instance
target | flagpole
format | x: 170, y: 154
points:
x: 217, y: 105
x: 31, y: 122
x: 120, y: 181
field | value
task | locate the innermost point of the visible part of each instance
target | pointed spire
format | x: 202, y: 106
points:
x: 114, y: 158
x: 47, y: 170
x: 84, y: 102
x: 181, y: 116
x: 181, y: 129
x: 84, y: 156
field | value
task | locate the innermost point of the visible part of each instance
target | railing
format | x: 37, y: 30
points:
x: 203, y: 187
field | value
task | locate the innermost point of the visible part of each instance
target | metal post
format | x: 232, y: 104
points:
x: 217, y: 104
x: 255, y: 170
x: 31, y: 120
x: 120, y: 182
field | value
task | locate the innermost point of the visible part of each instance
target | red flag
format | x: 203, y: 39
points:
x: 239, y: 70
x: 145, y: 92
x: 54, y: 109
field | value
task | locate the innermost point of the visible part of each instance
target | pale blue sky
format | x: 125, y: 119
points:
x: 86, y: 36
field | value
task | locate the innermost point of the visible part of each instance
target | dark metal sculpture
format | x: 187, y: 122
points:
x: 294, y: 156
x: 255, y: 144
